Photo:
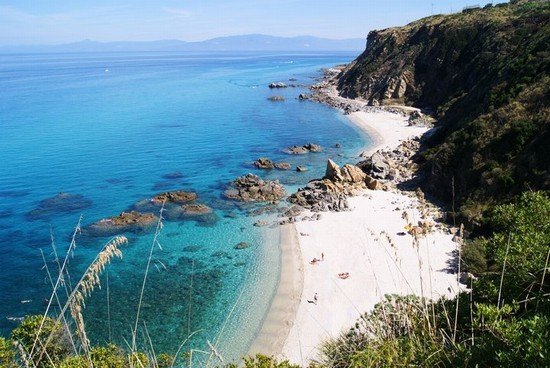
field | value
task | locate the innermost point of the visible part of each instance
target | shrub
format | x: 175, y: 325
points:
x: 52, y: 339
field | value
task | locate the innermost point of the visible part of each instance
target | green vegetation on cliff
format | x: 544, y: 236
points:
x: 485, y: 75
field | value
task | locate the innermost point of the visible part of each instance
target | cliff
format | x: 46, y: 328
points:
x: 484, y: 74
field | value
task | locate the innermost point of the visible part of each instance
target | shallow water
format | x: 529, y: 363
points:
x: 113, y: 129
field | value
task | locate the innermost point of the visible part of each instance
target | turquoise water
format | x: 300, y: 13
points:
x: 110, y: 127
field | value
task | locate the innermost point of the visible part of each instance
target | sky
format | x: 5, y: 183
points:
x: 24, y: 22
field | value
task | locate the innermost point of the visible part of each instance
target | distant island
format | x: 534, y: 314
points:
x: 250, y: 42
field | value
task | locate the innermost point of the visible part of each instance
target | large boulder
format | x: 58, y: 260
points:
x: 376, y: 166
x: 332, y: 171
x: 250, y: 188
x: 347, y: 174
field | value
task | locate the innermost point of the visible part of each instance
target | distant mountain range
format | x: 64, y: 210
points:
x: 252, y: 42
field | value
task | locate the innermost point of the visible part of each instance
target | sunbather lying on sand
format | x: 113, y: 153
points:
x: 343, y: 275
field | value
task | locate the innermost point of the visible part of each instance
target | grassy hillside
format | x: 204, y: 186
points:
x: 485, y: 76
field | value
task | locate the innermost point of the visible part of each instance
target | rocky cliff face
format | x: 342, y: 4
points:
x: 484, y: 74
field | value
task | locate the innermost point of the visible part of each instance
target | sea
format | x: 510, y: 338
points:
x: 112, y: 129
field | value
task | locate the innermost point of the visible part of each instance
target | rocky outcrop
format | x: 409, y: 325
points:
x: 419, y: 119
x: 331, y: 192
x: 395, y: 166
x: 301, y: 150
x: 132, y: 221
x: 348, y: 173
x: 264, y: 163
x: 301, y: 168
x: 321, y: 195
x: 252, y: 188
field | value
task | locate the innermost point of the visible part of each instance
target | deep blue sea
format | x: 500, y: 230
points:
x: 111, y: 128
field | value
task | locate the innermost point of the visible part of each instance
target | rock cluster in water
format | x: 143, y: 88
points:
x: 301, y: 150
x: 252, y: 188
x: 276, y: 98
x: 267, y: 164
x: 132, y: 221
x: 177, y: 205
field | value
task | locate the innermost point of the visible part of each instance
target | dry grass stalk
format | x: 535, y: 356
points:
x: 88, y: 282
x: 459, y: 247
x: 154, y: 243
x: 60, y: 281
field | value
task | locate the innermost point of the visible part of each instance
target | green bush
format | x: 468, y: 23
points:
x: 48, y: 334
x: 7, y: 354
x: 263, y: 361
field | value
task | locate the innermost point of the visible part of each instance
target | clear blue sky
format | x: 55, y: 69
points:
x: 60, y: 21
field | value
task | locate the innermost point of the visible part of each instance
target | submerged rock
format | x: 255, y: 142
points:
x: 59, y: 204
x: 243, y: 245
x: 301, y: 168
x: 261, y: 223
x: 195, y: 209
x: 276, y: 98
x: 132, y: 221
x: 173, y: 175
x: 251, y: 187
x: 277, y: 85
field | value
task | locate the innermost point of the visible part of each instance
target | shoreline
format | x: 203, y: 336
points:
x: 374, y: 254
x: 279, y: 319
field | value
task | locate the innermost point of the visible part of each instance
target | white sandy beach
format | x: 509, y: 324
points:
x: 363, y: 242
